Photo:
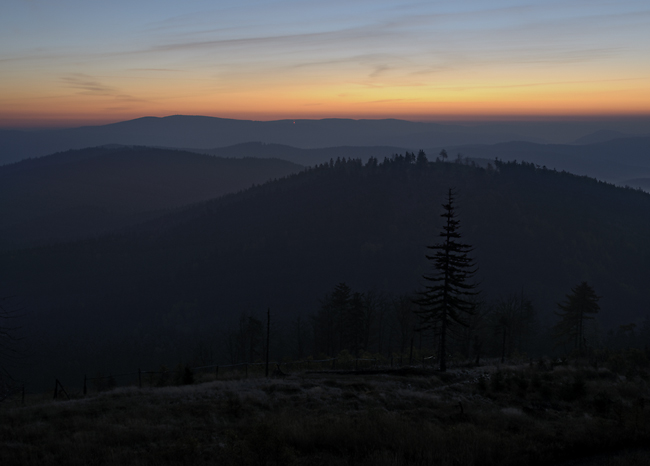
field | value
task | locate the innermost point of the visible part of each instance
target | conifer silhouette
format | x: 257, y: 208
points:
x: 445, y: 301
x: 573, y: 312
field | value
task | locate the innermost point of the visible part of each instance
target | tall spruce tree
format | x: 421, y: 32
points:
x: 577, y: 308
x: 447, y: 300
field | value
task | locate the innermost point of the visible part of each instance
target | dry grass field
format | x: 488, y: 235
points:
x: 509, y: 415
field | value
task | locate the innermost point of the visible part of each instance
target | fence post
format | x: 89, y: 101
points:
x: 139, y: 378
x: 85, y: 389
x: 268, y: 335
x: 63, y: 389
x: 56, y: 388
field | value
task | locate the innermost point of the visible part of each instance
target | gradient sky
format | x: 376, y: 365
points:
x: 70, y: 62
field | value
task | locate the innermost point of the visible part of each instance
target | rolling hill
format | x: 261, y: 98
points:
x: 622, y: 161
x: 80, y: 193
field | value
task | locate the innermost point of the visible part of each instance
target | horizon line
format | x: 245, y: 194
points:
x: 72, y: 123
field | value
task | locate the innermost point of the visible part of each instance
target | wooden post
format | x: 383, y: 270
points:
x: 56, y: 388
x: 85, y: 386
x: 268, y: 334
x: 139, y: 378
x: 63, y: 389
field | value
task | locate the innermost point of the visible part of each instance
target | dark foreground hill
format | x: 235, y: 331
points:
x: 183, y: 280
x: 74, y: 194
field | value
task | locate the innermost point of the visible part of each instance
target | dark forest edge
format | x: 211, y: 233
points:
x: 506, y: 324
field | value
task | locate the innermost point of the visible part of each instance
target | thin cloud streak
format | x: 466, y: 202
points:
x: 87, y: 85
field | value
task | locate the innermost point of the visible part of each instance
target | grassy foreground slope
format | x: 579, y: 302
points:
x: 507, y: 416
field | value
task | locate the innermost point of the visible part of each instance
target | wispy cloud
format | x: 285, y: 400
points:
x: 88, y: 85
x: 171, y: 70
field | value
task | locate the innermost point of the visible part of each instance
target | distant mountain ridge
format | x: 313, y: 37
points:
x: 307, y: 157
x: 623, y: 161
x: 604, y: 135
x: 202, y: 132
x: 617, y: 161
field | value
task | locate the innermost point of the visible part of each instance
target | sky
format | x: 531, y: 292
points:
x: 71, y: 62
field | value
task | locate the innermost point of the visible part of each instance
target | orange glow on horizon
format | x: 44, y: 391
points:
x: 498, y: 99
x: 430, y: 61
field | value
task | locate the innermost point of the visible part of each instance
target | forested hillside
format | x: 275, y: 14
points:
x: 76, y: 194
x: 185, y: 280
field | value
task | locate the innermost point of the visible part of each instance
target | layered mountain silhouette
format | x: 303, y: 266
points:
x: 619, y: 161
x: 625, y: 162
x: 308, y: 157
x: 208, y: 132
x: 202, y: 132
